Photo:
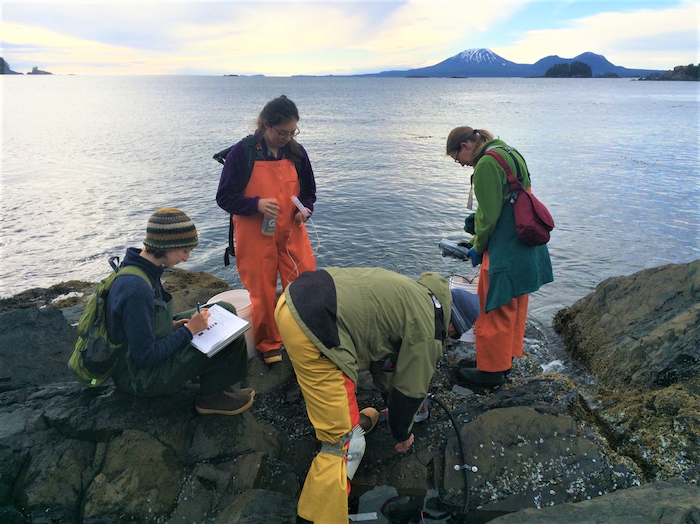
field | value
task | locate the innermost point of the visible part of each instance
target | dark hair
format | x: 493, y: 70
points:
x: 156, y: 252
x: 465, y: 134
x: 277, y: 111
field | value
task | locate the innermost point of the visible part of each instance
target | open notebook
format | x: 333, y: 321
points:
x: 224, y: 328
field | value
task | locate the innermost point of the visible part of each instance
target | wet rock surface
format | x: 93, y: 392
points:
x: 640, y: 336
x: 541, y: 448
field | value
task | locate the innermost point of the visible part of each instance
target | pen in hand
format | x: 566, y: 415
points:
x: 199, y: 307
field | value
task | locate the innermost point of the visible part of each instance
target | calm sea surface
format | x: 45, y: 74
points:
x: 86, y: 160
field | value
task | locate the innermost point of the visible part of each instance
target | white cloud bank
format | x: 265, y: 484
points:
x: 326, y: 37
x: 647, y: 38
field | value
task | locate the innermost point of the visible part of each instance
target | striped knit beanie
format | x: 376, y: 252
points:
x: 170, y: 228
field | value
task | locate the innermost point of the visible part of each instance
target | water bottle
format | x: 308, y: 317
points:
x: 268, y: 226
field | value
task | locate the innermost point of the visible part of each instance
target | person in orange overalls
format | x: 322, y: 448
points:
x: 282, y: 170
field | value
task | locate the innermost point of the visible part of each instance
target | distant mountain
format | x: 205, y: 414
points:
x: 486, y: 63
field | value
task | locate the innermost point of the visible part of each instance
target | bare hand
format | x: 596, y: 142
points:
x: 301, y: 218
x: 402, y: 447
x: 177, y: 324
x: 268, y: 207
x: 199, y: 321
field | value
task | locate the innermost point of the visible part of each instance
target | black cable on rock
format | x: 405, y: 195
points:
x: 465, y: 469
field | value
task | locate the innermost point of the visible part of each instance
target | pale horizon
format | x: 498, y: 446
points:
x: 331, y: 37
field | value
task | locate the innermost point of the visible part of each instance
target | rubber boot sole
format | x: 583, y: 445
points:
x: 211, y: 411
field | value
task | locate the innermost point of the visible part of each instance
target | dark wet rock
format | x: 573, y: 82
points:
x: 70, y: 454
x: 103, y: 455
x: 640, y: 329
x: 530, y: 459
x: 225, y: 436
x: 31, y: 336
x: 671, y: 502
x: 64, y: 295
x: 640, y: 336
x: 264, y: 378
x: 259, y: 507
x: 139, y: 475
x: 11, y: 515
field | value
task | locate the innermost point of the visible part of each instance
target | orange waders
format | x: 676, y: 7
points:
x: 259, y: 258
x: 332, y: 409
x: 500, y: 332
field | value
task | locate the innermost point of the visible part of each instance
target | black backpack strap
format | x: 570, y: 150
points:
x: 253, y: 151
x: 221, y: 155
x: 114, y: 262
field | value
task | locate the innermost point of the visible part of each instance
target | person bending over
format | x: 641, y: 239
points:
x: 336, y: 322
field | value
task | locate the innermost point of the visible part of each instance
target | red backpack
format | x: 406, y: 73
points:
x: 533, y: 222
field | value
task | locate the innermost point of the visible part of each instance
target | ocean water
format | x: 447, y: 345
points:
x: 86, y: 159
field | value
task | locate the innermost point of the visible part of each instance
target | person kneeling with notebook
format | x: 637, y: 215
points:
x: 159, y: 355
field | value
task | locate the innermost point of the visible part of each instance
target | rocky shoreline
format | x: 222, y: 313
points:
x: 544, y: 452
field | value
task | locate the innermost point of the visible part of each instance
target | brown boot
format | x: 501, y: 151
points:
x: 368, y: 419
x: 224, y: 403
x: 233, y: 390
x: 272, y: 356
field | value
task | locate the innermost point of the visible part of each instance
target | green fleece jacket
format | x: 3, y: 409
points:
x: 515, y: 268
x: 371, y: 318
x: 492, y: 191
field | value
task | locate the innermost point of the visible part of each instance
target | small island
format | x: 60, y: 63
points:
x: 5, y: 68
x: 687, y: 73
x: 36, y: 71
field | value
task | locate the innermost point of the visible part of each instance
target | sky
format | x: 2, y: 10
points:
x: 293, y: 37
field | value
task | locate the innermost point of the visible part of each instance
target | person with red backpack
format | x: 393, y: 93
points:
x: 510, y: 267
x: 260, y: 176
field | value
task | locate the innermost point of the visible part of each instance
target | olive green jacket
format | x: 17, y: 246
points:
x: 371, y: 318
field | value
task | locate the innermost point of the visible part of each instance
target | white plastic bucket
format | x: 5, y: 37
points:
x: 240, y: 299
x: 470, y: 284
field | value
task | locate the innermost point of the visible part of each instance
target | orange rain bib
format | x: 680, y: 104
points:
x: 260, y: 258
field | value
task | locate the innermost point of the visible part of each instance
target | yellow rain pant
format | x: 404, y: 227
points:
x: 332, y: 409
x: 499, y: 333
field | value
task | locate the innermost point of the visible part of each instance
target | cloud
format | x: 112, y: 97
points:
x: 626, y: 38
x: 287, y: 37
x: 281, y: 38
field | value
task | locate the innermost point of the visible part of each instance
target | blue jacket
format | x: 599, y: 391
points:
x: 131, y: 314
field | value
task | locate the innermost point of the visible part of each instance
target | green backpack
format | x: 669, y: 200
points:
x: 95, y: 356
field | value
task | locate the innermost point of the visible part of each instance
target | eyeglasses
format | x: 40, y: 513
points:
x: 457, y: 154
x: 286, y: 134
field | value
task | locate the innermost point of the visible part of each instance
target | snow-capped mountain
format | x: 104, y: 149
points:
x: 486, y: 63
x: 481, y: 56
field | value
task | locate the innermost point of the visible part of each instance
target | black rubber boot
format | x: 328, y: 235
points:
x: 470, y: 377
